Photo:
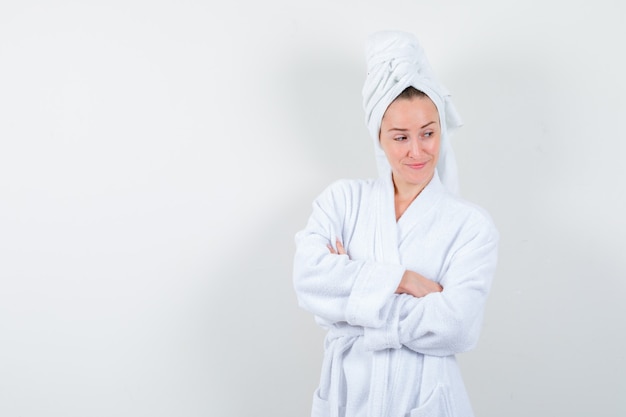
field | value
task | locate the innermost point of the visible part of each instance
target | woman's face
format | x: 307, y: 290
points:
x: 409, y: 135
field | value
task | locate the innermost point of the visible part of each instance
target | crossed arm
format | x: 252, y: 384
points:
x: 445, y: 323
x: 395, y: 306
x: 412, y: 283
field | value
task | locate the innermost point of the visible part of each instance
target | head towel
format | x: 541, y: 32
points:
x: 395, y: 61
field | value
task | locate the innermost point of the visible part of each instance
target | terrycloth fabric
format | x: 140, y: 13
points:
x: 395, y: 61
x: 388, y: 354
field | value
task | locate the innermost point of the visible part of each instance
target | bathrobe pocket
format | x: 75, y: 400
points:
x: 437, y: 405
x: 321, y: 407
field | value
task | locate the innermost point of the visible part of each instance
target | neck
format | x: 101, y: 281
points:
x: 404, y: 194
x: 407, y: 192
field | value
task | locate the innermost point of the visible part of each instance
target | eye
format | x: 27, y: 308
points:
x: 400, y: 138
x: 429, y: 134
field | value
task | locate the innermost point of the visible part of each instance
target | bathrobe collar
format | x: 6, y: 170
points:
x: 387, y: 230
x: 424, y: 202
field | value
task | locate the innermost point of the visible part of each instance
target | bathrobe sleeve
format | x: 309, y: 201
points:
x: 334, y: 287
x: 449, y: 322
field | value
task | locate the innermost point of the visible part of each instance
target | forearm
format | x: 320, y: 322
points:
x: 338, y: 289
x: 441, y: 323
x: 426, y: 325
x: 417, y: 285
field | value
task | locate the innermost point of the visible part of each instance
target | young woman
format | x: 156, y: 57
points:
x: 397, y: 268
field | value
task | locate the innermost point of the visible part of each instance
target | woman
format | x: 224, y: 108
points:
x: 397, y: 269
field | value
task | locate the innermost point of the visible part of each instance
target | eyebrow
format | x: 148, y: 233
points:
x: 404, y: 130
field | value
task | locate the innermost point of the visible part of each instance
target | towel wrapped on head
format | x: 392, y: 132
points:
x: 395, y: 61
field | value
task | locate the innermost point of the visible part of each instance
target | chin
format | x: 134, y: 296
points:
x: 421, y: 178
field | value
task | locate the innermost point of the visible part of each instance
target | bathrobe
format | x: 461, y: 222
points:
x: 389, y: 354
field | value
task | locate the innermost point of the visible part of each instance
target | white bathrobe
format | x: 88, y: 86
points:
x: 388, y: 354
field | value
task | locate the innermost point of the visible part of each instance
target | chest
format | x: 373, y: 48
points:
x: 423, y: 244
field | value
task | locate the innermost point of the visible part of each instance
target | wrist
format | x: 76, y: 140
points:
x: 403, y: 286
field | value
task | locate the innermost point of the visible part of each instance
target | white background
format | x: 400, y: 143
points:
x: 156, y: 159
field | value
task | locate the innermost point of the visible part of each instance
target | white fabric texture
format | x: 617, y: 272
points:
x: 388, y: 354
x: 395, y: 61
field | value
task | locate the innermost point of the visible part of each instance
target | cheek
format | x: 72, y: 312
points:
x: 396, y: 153
x: 434, y: 148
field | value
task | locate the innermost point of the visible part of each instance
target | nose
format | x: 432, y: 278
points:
x: 414, y: 148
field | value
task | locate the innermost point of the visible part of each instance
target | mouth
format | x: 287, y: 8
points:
x: 416, y: 166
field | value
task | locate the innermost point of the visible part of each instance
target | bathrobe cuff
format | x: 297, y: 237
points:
x: 373, y: 289
x: 386, y: 336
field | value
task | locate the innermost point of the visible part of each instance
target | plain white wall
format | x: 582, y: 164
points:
x: 156, y: 159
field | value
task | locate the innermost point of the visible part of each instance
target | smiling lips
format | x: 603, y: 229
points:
x: 416, y: 165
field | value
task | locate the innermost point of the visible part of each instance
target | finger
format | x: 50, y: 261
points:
x: 331, y: 249
x: 340, y: 249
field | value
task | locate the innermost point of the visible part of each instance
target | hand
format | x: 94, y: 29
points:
x: 340, y: 249
x: 417, y: 285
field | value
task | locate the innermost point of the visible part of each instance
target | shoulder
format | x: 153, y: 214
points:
x: 346, y: 190
x: 470, y: 218
x: 342, y: 200
x: 351, y: 185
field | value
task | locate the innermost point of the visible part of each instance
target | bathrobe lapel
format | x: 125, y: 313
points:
x: 386, y: 251
x: 385, y: 227
x: 418, y: 214
x: 388, y: 242
x: 391, y: 235
x: 414, y: 220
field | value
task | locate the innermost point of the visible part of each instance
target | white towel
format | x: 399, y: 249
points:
x: 395, y: 61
